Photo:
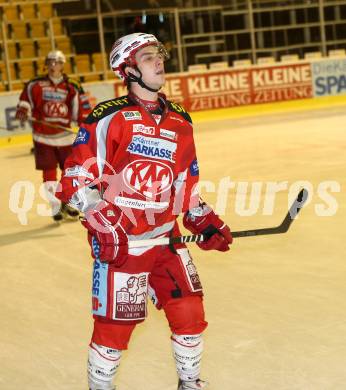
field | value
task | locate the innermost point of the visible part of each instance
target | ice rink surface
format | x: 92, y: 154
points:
x: 276, y: 305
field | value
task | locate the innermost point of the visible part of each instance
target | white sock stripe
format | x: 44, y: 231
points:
x: 185, y: 345
x: 103, y: 356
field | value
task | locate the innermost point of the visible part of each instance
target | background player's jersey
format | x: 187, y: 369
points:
x: 147, y: 169
x: 58, y: 104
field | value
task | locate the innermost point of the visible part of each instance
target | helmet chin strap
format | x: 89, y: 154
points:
x: 139, y: 80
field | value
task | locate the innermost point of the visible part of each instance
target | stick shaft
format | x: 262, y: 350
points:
x: 282, y: 228
x: 5, y: 128
x: 32, y: 119
x: 193, y: 238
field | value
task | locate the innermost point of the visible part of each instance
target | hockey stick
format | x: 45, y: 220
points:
x: 44, y: 123
x: 5, y: 128
x: 282, y: 228
x: 68, y: 129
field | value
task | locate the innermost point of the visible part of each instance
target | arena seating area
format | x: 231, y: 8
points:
x: 283, y: 32
x: 29, y: 31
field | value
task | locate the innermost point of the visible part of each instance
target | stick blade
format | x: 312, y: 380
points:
x: 298, y: 203
x: 286, y: 223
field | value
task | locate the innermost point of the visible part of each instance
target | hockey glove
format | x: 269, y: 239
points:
x: 203, y: 220
x: 22, y: 114
x: 103, y: 224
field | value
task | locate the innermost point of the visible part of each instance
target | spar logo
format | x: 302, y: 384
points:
x: 55, y: 109
x: 148, y: 178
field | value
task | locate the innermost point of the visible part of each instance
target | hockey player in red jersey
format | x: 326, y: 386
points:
x: 132, y: 171
x: 56, y: 100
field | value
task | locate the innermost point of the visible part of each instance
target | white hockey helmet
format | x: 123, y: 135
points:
x: 124, y: 50
x: 56, y: 55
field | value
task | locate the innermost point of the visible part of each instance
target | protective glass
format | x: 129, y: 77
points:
x: 161, y: 52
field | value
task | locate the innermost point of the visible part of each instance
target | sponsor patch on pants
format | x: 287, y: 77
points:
x: 99, y: 283
x: 190, y: 270
x: 130, y: 296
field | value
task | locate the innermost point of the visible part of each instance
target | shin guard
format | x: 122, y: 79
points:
x: 187, y: 352
x: 103, y: 364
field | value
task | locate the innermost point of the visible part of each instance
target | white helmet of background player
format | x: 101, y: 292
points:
x: 123, y: 55
x: 56, y: 55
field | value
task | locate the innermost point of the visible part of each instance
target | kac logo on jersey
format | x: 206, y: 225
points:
x: 148, y: 178
x: 132, y: 115
x: 55, y: 109
x: 194, y: 169
x: 152, y: 147
x: 83, y: 136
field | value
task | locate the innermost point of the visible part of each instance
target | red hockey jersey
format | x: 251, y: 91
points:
x: 147, y: 169
x: 58, y: 104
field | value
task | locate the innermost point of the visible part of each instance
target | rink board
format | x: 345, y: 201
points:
x: 17, y: 137
x: 249, y: 91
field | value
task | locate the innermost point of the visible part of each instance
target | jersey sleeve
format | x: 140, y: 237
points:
x: 96, y: 142
x: 186, y: 182
x: 24, y: 98
x: 78, y: 184
x: 84, y: 106
x: 192, y: 176
x: 81, y: 107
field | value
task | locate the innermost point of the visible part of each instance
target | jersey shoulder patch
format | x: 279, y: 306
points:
x: 108, y: 107
x: 175, y: 107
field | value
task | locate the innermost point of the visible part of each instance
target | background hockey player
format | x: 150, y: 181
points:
x: 57, y: 100
x: 132, y: 171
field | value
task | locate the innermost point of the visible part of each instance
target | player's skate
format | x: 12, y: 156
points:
x: 59, y: 216
x: 194, y: 385
x: 68, y: 211
x: 113, y: 388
